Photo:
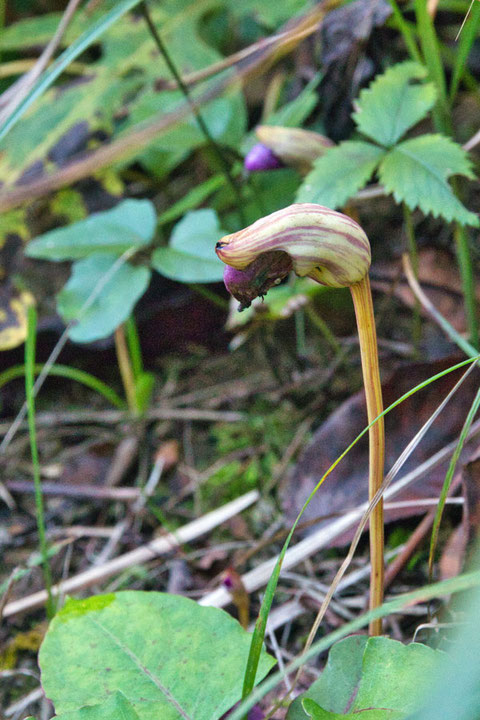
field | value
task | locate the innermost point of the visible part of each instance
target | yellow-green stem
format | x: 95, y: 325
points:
x: 362, y: 300
x: 126, y: 370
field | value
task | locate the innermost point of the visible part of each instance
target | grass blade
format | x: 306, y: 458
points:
x: 446, y: 587
x: 86, y: 39
x: 433, y: 61
x: 260, y: 625
x: 467, y: 38
x: 448, y: 480
x: 71, y: 373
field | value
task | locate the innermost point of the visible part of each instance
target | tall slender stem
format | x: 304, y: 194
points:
x: 362, y: 300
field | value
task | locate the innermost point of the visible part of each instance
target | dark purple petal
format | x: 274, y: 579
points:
x: 261, y: 157
x: 265, y: 271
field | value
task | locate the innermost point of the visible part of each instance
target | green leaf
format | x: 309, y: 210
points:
x: 268, y: 12
x: 114, y: 303
x: 338, y: 683
x: 116, y: 707
x: 396, y: 676
x: 380, y: 678
x: 294, y: 113
x: 190, y: 255
x: 195, y: 196
x: 314, y: 711
x: 392, y: 103
x: 165, y: 653
x: 338, y: 174
x: 129, y: 224
x: 416, y: 172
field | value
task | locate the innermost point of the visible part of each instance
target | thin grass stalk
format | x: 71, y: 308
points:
x: 465, y: 265
x: 39, y: 507
x: 448, y: 481
x: 217, y: 151
x: 406, y: 31
x: 413, y: 250
x: 362, y: 300
x: 389, y: 477
x: 70, y: 373
x: 461, y: 583
x: 261, y: 623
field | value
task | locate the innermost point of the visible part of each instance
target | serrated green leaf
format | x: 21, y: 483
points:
x: 338, y: 174
x: 190, y: 255
x: 129, y: 224
x: 416, y: 172
x: 115, y: 301
x: 169, y: 657
x: 392, y: 103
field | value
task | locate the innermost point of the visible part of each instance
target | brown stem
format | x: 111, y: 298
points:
x: 362, y: 300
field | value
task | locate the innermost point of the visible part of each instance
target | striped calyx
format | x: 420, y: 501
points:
x: 325, y: 245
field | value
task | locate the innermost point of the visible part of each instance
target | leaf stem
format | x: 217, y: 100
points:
x: 126, y: 370
x: 362, y: 300
x: 39, y: 508
x: 195, y: 111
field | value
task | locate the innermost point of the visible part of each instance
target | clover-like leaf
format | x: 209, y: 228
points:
x: 394, y: 102
x: 416, y: 172
x: 338, y: 174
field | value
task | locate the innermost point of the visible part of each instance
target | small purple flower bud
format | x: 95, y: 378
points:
x: 227, y: 582
x: 257, y: 278
x: 261, y: 157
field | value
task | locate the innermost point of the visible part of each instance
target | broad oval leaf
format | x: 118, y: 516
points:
x: 115, y: 300
x: 338, y: 174
x: 171, y: 658
x: 392, y: 104
x: 129, y: 224
x: 190, y: 255
x: 416, y: 172
x: 375, y: 678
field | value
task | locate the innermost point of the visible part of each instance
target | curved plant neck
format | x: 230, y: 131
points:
x: 362, y: 300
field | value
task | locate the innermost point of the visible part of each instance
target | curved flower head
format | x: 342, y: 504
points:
x: 313, y: 240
